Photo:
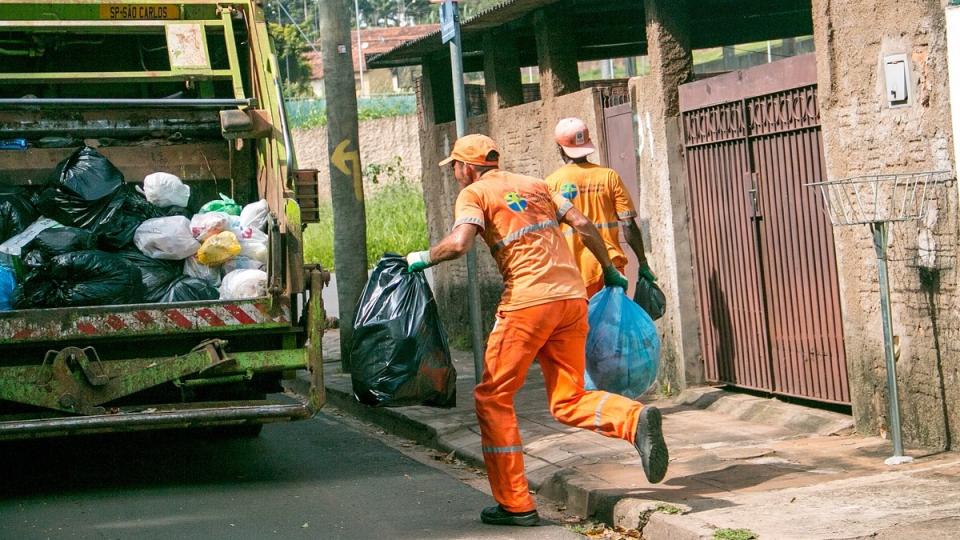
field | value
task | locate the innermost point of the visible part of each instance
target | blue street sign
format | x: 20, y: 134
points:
x: 448, y: 21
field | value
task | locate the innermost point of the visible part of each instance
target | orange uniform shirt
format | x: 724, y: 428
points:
x: 520, y: 219
x: 599, y: 193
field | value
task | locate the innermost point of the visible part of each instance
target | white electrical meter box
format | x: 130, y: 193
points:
x: 897, y: 77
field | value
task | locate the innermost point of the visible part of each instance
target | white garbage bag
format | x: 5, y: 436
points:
x: 165, y: 189
x: 255, y: 215
x: 241, y: 263
x: 241, y: 284
x: 254, y: 243
x: 203, y: 226
x: 194, y: 268
x: 167, y: 238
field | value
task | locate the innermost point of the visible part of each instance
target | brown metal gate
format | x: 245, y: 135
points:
x: 763, y: 251
x: 619, y: 153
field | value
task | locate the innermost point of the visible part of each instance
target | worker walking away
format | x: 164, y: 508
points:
x: 599, y: 194
x: 542, y: 314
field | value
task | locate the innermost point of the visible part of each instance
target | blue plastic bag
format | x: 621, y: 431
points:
x: 623, y: 349
x: 7, y: 283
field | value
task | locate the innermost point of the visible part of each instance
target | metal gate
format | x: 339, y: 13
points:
x: 619, y: 153
x: 763, y: 252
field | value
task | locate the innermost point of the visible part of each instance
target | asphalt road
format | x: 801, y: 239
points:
x: 317, y: 479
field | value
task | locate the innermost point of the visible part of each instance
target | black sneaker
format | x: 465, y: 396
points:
x: 651, y: 446
x: 496, y: 515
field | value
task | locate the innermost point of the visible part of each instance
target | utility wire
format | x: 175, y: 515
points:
x: 297, y: 26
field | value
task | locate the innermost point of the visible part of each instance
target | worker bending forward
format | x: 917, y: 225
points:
x: 542, y: 315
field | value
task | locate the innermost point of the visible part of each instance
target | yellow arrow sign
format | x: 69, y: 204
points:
x: 341, y: 157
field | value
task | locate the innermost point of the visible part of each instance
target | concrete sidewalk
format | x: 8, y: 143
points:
x: 737, y: 462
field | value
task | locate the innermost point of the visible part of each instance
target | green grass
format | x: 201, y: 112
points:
x: 734, y: 534
x: 396, y: 221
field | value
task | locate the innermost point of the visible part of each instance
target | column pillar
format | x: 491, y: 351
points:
x: 662, y: 177
x: 501, y: 71
x: 556, y: 52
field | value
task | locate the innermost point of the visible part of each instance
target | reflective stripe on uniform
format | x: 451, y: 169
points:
x: 502, y: 449
x: 630, y: 214
x: 599, y: 410
x: 562, y: 211
x: 609, y: 225
x: 470, y: 220
x: 514, y: 236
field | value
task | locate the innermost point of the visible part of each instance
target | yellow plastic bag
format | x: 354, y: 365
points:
x: 218, y: 249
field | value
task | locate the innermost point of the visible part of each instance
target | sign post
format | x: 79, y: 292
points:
x: 450, y: 33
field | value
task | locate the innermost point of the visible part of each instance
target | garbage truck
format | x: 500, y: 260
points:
x: 190, y: 88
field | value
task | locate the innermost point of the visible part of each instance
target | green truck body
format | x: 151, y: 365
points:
x: 190, y: 88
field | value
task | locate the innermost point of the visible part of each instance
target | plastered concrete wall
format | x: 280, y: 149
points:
x: 862, y: 135
x: 662, y: 207
x: 381, y: 140
x: 525, y: 136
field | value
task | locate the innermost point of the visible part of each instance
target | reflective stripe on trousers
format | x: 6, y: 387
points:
x: 555, y: 333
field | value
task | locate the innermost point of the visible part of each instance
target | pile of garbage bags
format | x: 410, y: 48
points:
x: 88, y: 238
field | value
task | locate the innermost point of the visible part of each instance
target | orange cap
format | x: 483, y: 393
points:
x: 476, y: 150
x: 574, y: 137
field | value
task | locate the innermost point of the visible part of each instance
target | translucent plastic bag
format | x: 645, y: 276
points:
x: 218, y: 249
x: 203, y: 226
x: 238, y: 263
x: 241, y: 284
x: 8, y: 283
x: 225, y: 205
x: 210, y: 274
x: 400, y: 354
x: 167, y: 238
x: 623, y: 349
x: 165, y: 189
x: 255, y: 215
x: 254, y: 244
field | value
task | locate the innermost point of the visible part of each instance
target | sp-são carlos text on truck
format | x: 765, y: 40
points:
x: 130, y: 305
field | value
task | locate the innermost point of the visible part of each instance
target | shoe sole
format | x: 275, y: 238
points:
x: 525, y: 521
x: 655, y: 466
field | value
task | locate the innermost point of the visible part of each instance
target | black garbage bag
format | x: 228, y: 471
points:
x: 158, y: 275
x: 649, y: 296
x: 190, y: 289
x: 16, y: 213
x: 113, y: 219
x: 81, y: 278
x: 400, y: 354
x: 60, y: 240
x: 88, y: 175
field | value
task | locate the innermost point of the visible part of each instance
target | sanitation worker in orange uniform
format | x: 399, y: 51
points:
x: 599, y: 194
x: 542, y: 315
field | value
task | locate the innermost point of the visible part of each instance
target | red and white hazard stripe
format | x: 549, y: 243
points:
x: 145, y: 321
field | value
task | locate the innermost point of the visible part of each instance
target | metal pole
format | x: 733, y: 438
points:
x: 879, y: 230
x: 473, y: 285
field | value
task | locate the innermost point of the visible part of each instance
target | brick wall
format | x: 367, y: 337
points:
x: 381, y: 140
x: 863, y: 136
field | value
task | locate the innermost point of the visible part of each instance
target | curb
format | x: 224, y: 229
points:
x: 582, y: 493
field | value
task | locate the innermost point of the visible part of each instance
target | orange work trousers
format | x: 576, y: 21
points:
x: 596, y: 286
x: 555, y: 334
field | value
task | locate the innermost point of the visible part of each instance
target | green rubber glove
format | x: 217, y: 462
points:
x: 418, y: 261
x: 647, y: 274
x: 613, y: 278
